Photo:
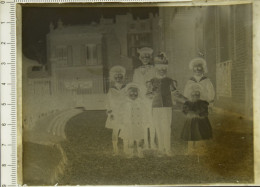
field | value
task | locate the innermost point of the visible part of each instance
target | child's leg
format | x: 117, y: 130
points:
x: 167, y: 130
x: 191, y: 147
x: 158, y: 128
x: 201, y: 147
x: 126, y: 146
x: 152, y: 137
x: 115, y: 140
x: 139, y: 149
x: 129, y: 148
x: 146, y: 140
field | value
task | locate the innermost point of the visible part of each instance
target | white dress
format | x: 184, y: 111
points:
x: 132, y: 119
x: 143, y: 74
x: 207, y: 89
x: 115, y: 98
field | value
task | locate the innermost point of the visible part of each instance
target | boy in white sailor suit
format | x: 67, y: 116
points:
x: 141, y: 75
x: 163, y: 88
x: 115, y: 98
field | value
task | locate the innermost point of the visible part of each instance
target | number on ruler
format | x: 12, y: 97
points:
x: 3, y: 63
x: 3, y: 124
x: 3, y: 83
x: 3, y: 145
x: 2, y: 2
x: 3, y: 43
x: 3, y: 104
x: 3, y: 185
x: 3, y: 165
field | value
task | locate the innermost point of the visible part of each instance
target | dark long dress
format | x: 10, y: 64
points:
x: 197, y: 125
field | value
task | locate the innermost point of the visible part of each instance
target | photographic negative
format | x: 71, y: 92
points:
x: 146, y: 95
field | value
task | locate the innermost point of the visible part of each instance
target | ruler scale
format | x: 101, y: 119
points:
x: 8, y: 94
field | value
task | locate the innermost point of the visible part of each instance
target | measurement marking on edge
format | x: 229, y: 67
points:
x: 8, y: 117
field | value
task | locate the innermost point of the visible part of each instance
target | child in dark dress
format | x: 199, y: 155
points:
x: 197, y: 126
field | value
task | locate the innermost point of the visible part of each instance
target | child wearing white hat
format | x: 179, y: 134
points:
x: 132, y: 113
x: 115, y: 97
x: 146, y: 71
x: 199, y: 67
x: 142, y: 75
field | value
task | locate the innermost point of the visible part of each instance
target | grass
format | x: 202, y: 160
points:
x: 89, y: 151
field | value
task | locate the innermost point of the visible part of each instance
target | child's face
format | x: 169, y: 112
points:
x: 161, y: 69
x: 195, y: 96
x: 133, y: 93
x: 145, y: 58
x: 118, y: 78
x: 198, y: 69
x: 148, y: 84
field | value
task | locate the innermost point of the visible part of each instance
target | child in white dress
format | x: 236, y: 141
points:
x: 133, y: 121
x: 115, y: 97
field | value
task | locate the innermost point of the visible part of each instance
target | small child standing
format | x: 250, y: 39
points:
x: 115, y: 97
x: 132, y: 117
x: 197, y: 126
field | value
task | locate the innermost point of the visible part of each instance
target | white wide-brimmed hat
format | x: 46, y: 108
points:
x: 132, y: 85
x: 197, y: 61
x: 145, y: 50
x: 116, y: 70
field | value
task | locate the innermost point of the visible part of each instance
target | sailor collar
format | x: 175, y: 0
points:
x: 201, y: 79
x: 123, y: 85
x: 145, y: 66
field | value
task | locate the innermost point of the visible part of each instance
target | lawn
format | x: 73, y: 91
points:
x: 90, y: 161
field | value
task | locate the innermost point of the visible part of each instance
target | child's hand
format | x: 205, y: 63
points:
x: 210, y: 109
x: 112, y: 117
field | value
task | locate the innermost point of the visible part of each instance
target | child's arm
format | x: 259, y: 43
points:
x: 108, y: 106
x: 177, y: 96
x: 203, y: 109
x: 186, y: 108
x: 173, y: 85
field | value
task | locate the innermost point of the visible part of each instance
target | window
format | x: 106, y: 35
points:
x: 90, y: 54
x: 224, y: 79
x: 61, y: 53
x: 138, y: 40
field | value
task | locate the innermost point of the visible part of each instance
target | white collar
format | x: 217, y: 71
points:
x: 159, y: 76
x: 198, y: 78
x: 118, y: 86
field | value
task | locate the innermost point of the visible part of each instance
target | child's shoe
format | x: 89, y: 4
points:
x: 153, y: 145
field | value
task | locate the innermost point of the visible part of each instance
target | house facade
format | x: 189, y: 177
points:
x: 79, y: 57
x: 223, y: 36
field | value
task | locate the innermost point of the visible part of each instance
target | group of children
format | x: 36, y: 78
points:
x: 142, y: 110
